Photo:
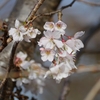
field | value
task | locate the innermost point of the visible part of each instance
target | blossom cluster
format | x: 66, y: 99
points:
x: 55, y: 47
x: 20, y: 32
x: 35, y: 73
x: 58, y: 51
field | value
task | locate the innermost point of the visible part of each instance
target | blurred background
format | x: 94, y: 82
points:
x: 80, y: 17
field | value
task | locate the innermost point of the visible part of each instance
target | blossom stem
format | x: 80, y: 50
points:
x: 60, y: 15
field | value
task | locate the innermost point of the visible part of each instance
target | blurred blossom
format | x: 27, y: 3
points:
x: 34, y: 81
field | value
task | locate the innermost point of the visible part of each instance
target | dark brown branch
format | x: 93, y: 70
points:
x: 62, y: 8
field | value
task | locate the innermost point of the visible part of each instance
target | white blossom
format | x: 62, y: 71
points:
x: 21, y: 55
x: 50, y: 40
x: 31, y: 33
x: 47, y: 54
x: 17, y: 32
x: 49, y: 26
x: 59, y: 71
x: 75, y: 43
x: 60, y: 26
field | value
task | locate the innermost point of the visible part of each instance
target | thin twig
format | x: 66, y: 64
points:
x: 3, y: 81
x: 93, y: 91
x: 62, y: 8
x: 90, y: 3
x: 83, y: 69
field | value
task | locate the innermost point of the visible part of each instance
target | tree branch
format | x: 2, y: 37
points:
x: 93, y: 91
x: 34, y: 10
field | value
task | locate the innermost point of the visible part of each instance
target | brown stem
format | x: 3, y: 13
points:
x: 34, y: 10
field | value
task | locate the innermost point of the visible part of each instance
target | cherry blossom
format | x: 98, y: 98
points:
x: 17, y: 32
x: 58, y: 72
x: 20, y: 60
x: 75, y: 43
x: 58, y: 26
x: 31, y: 33
x: 35, y: 73
x: 47, y: 54
x: 50, y: 40
x: 50, y: 26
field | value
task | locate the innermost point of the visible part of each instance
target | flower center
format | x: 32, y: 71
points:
x: 17, y: 61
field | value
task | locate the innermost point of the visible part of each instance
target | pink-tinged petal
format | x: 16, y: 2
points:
x: 49, y: 45
x: 48, y: 34
x: 60, y: 25
x: 37, y: 31
x: 78, y: 34
x: 71, y: 43
x: 78, y: 44
x: 22, y: 29
x: 18, y: 37
x: 44, y: 58
x: 62, y: 32
x: 49, y: 26
x: 17, y: 24
x: 21, y: 55
x: 54, y: 34
x: 58, y: 43
x: 68, y: 65
x: 43, y: 41
x: 12, y: 31
x: 25, y: 64
x: 62, y: 53
x: 51, y: 57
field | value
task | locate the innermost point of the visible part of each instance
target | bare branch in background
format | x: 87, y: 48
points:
x: 93, y: 91
x: 90, y: 3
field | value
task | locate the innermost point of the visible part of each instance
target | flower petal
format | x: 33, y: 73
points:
x: 78, y: 34
x: 49, y: 26
x: 60, y: 25
x: 17, y: 24
x: 58, y: 43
